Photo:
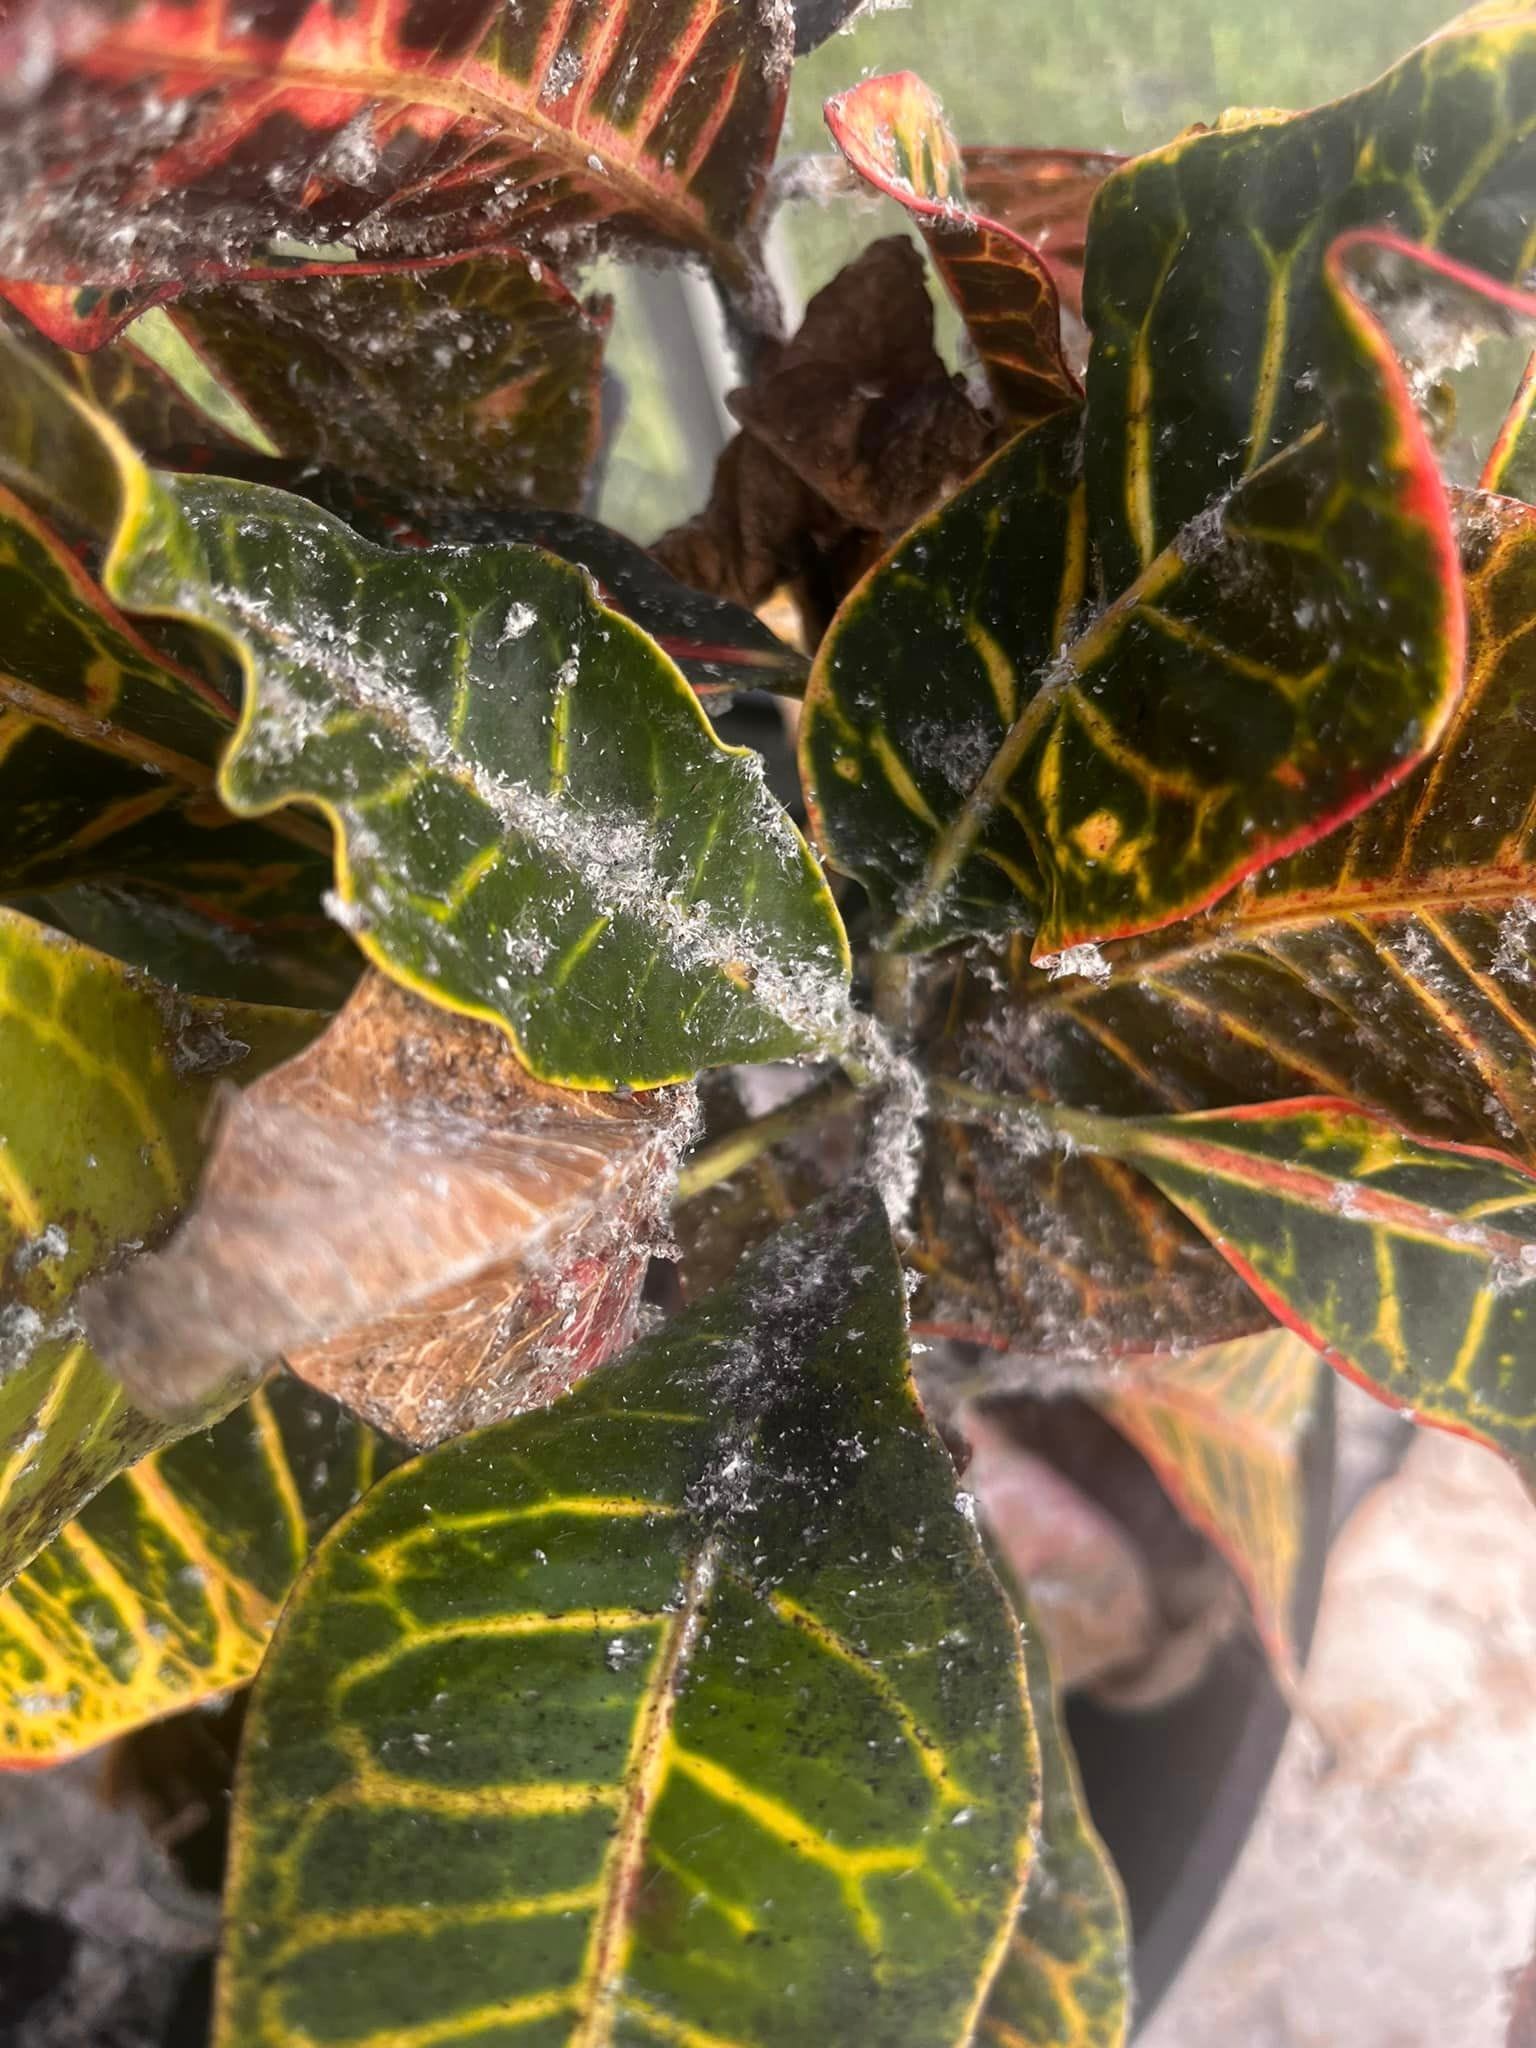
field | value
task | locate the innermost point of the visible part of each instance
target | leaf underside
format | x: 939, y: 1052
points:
x: 1225, y: 1430
x: 577, y: 1727
x: 893, y: 133
x: 109, y: 1081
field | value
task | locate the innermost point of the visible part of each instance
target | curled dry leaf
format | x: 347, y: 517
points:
x: 853, y: 427
x: 417, y: 1226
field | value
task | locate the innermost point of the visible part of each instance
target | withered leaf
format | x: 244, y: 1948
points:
x: 854, y: 426
x: 417, y: 1226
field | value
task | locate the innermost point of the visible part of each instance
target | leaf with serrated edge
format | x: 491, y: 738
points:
x: 1410, y: 1265
x: 583, y: 1725
x: 1224, y: 1430
x: 1065, y: 1980
x: 1206, y: 288
x: 535, y: 822
x: 105, y: 1085
x: 984, y: 763
x: 892, y: 131
x: 178, y: 143
x: 163, y: 1593
x: 1394, y: 963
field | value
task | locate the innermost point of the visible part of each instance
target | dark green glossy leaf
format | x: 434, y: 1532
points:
x: 1410, y: 1265
x: 892, y: 131
x: 685, y: 1710
x: 536, y: 824
x: 1207, y: 290
x: 106, y: 1081
x: 1065, y: 1978
x: 164, y: 1591
x: 1394, y: 963
x: 167, y: 145
x: 984, y: 760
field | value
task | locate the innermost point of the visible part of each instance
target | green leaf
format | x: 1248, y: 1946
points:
x: 1393, y: 963
x: 1410, y: 1265
x: 1207, y: 290
x: 892, y: 131
x: 984, y: 761
x: 164, y: 1591
x: 459, y: 377
x: 106, y: 1081
x: 686, y: 1710
x: 1225, y: 1430
x: 536, y: 824
x: 166, y: 146
x: 1065, y: 1980
x: 719, y: 646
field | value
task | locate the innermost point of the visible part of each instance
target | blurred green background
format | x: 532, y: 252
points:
x: 1103, y: 74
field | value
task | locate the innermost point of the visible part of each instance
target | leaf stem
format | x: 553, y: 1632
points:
x: 1093, y: 1133
x: 834, y: 1095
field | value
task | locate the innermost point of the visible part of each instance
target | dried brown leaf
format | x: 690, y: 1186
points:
x: 417, y: 1226
x: 854, y: 427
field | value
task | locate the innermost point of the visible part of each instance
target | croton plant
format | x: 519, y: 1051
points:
x: 469, y: 1166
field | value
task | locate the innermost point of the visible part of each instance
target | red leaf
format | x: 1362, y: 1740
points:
x: 154, y: 141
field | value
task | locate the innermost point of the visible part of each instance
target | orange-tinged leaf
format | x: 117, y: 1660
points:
x: 1225, y: 1430
x: 892, y: 131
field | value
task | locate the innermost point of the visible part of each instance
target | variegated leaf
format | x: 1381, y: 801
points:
x: 105, y: 1085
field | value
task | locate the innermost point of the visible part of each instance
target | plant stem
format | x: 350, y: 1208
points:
x: 834, y: 1095
x: 1093, y: 1133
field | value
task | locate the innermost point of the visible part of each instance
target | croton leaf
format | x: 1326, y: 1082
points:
x: 1043, y: 196
x: 1511, y: 464
x: 465, y: 377
x: 1410, y: 1265
x: 108, y: 1081
x: 578, y: 1728
x: 1065, y: 1977
x: 163, y: 1592
x: 983, y: 760
x: 154, y: 146
x: 415, y: 1225
x: 1225, y: 1430
x: 535, y: 822
x: 892, y: 131
x: 1207, y: 286
x: 1394, y: 963
x: 719, y: 646
x: 109, y: 747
